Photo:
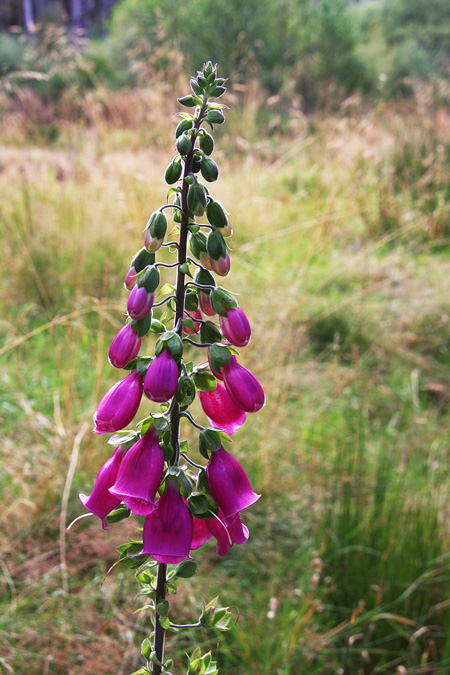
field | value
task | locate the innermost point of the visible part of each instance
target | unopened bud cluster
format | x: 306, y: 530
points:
x: 151, y: 472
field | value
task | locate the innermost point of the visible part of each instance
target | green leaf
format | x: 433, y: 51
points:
x: 184, y: 446
x: 143, y: 364
x: 188, y: 101
x: 191, y: 301
x: 163, y: 608
x: 185, y: 269
x: 185, y: 569
x: 209, y: 333
x: 142, y: 326
x: 146, y: 648
x: 221, y: 300
x: 157, y: 327
x: 121, y: 437
x: 120, y: 513
x: 205, y: 381
x: 164, y: 622
x: 211, y: 439
x: 160, y: 422
x: 167, y: 288
x: 219, y: 355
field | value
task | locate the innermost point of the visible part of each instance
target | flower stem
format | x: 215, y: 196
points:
x: 180, y: 293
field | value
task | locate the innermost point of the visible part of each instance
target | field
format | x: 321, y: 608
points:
x: 341, y: 253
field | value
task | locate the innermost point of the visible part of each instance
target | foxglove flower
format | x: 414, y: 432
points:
x: 168, y: 529
x: 101, y: 502
x: 221, y: 266
x: 205, y: 303
x: 161, y: 378
x: 236, y: 327
x: 119, y: 405
x: 220, y: 409
x: 124, y: 347
x: 242, y: 386
x: 228, y: 483
x: 140, y: 474
x: 130, y: 279
x: 140, y: 302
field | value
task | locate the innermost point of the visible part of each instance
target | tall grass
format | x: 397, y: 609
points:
x: 347, y: 567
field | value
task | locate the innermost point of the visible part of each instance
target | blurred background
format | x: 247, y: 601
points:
x: 335, y: 168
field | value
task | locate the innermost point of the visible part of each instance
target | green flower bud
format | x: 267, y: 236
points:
x: 209, y: 169
x: 204, y: 277
x: 197, y: 199
x: 184, y: 144
x: 183, y: 126
x: 188, y: 101
x: 196, y: 162
x: 216, y: 246
x: 196, y: 88
x: 197, y: 244
x: 215, y: 117
x: 173, y: 171
x: 142, y: 259
x: 206, y: 143
x: 149, y: 279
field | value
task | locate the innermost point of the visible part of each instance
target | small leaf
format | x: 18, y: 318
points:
x: 185, y: 269
x: 121, y: 437
x: 205, y: 381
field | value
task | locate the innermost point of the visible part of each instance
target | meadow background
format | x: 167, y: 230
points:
x: 334, y: 164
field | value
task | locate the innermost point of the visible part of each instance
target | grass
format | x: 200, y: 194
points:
x: 342, y: 262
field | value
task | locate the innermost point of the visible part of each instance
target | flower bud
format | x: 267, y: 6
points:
x: 206, y: 143
x: 215, y: 117
x: 173, y: 171
x: 217, y: 217
x: 221, y: 266
x: 124, y: 347
x: 242, y: 386
x: 156, y: 231
x: 184, y: 144
x: 142, y: 259
x: 161, y: 378
x: 205, y: 303
x: 183, y: 126
x: 130, y: 279
x: 119, y: 405
x: 209, y: 169
x: 236, y: 327
x: 197, y: 199
x: 139, y: 302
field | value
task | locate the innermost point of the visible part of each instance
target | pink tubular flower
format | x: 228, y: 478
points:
x: 168, y: 529
x: 196, y: 314
x: 130, y: 279
x: 119, y: 405
x: 140, y: 302
x: 124, y: 347
x: 242, y: 386
x: 236, y: 327
x: 221, y: 266
x: 100, y: 502
x: 228, y: 483
x: 140, y: 474
x: 205, y: 303
x: 161, y: 378
x: 220, y: 409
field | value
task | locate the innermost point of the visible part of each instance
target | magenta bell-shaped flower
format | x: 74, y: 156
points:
x: 228, y: 483
x: 130, y: 279
x: 119, y: 405
x: 140, y: 302
x: 220, y: 409
x: 221, y: 266
x: 140, y: 474
x: 168, y: 529
x: 204, y: 302
x: 124, y: 347
x: 101, y: 502
x: 236, y: 327
x: 161, y: 378
x: 242, y: 386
